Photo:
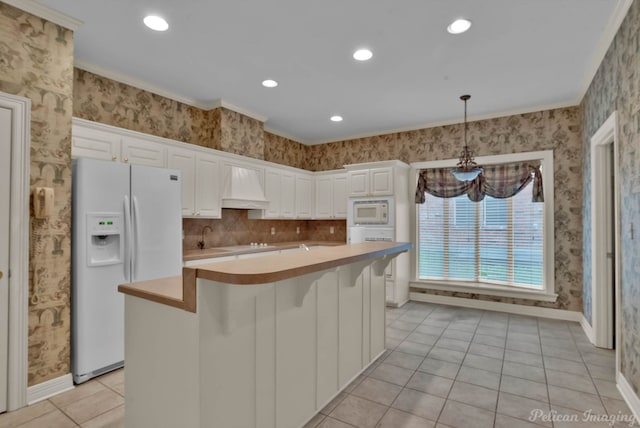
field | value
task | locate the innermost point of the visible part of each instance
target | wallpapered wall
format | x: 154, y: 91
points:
x: 103, y: 100
x: 557, y: 130
x: 36, y: 62
x: 284, y: 151
x: 616, y: 87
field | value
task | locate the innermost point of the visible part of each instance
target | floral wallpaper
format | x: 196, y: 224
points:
x: 36, y: 62
x: 104, y: 100
x: 558, y: 130
x: 284, y: 151
x: 241, y: 134
x: 616, y: 87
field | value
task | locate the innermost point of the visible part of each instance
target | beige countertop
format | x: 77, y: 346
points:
x: 180, y: 292
x: 208, y: 253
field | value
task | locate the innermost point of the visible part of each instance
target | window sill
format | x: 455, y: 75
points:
x: 487, y: 289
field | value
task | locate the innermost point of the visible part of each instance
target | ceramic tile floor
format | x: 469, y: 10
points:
x: 98, y: 403
x: 444, y: 367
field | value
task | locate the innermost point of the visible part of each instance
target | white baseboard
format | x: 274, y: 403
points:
x: 533, y: 311
x: 47, y: 389
x: 588, y: 330
x: 629, y: 396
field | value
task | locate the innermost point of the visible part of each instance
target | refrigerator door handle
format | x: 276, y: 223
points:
x: 128, y: 233
x: 136, y: 239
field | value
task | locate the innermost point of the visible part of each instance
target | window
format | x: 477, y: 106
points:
x: 495, y: 244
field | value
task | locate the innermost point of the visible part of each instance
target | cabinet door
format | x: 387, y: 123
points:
x: 287, y: 195
x: 273, y: 191
x: 359, y: 183
x: 304, y: 196
x: 184, y: 160
x: 207, y: 186
x: 339, y: 194
x: 381, y: 181
x: 324, y: 199
x: 89, y: 143
x: 142, y: 152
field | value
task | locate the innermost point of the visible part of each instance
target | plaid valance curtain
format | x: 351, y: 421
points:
x: 499, y: 181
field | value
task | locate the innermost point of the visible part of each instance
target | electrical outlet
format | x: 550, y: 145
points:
x: 332, y: 230
x: 273, y: 230
x: 298, y: 230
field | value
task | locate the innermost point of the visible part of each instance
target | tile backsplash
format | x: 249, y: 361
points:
x: 235, y: 228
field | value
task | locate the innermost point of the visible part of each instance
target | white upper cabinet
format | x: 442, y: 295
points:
x: 279, y: 189
x: 207, y: 186
x: 139, y: 151
x: 288, y: 195
x: 381, y: 181
x: 95, y: 144
x: 185, y: 161
x: 89, y: 142
x: 371, y: 182
x: 200, y: 182
x: 304, y: 196
x: 324, y: 197
x: 331, y: 195
x: 340, y: 185
x: 272, y: 191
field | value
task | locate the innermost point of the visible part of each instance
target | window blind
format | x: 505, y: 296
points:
x: 496, y: 241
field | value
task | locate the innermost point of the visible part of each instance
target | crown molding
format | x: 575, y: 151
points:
x: 222, y: 103
x: 46, y: 12
x: 514, y: 112
x: 284, y: 135
x: 609, y: 33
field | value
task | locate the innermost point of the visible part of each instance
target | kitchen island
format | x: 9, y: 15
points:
x: 262, y: 342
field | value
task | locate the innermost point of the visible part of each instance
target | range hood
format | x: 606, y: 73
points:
x: 241, y: 189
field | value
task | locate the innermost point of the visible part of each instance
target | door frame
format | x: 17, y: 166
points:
x: 19, y: 249
x: 602, y: 296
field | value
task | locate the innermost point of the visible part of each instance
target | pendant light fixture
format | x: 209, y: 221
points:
x: 466, y: 169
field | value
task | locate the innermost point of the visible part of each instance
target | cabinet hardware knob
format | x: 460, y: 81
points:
x: 1, y: 274
x: 126, y: 159
x: 197, y: 212
x: 114, y: 158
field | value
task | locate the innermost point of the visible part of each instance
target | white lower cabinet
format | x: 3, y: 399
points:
x: 263, y: 356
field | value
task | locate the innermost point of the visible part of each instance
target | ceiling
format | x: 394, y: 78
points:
x: 518, y: 56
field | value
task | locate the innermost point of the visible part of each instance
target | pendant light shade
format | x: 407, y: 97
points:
x: 466, y: 169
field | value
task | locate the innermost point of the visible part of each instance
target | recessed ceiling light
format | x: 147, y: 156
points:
x: 156, y: 23
x: 269, y: 83
x: 362, y: 54
x: 459, y: 26
x: 336, y: 118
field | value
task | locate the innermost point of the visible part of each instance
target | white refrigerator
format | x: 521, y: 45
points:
x: 127, y: 226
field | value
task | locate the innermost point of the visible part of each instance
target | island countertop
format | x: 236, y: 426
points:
x: 180, y: 291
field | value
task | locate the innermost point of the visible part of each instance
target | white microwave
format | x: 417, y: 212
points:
x: 371, y: 212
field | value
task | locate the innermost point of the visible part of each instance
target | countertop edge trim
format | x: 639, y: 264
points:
x: 147, y: 295
x: 261, y: 278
